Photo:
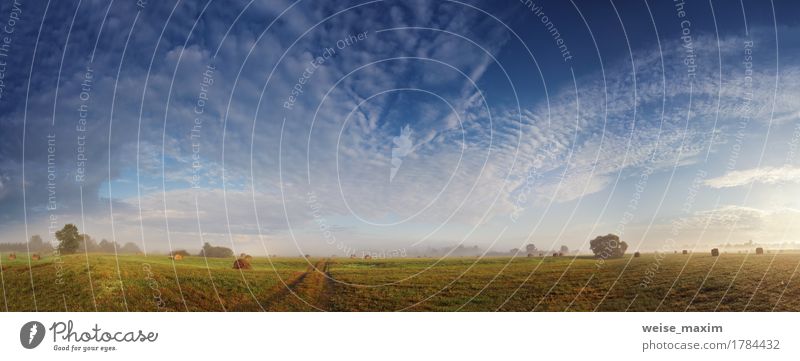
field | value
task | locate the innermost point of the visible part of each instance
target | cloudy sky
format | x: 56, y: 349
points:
x: 328, y: 127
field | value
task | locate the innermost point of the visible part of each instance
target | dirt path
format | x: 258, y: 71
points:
x: 307, y: 291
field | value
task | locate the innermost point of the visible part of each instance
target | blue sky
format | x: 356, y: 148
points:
x: 331, y: 127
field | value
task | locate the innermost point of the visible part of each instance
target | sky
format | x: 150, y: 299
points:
x: 321, y: 127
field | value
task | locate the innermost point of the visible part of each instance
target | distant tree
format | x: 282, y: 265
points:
x: 105, y: 246
x: 37, y: 245
x: 530, y: 248
x: 87, y: 243
x: 130, y: 247
x: 608, y: 246
x: 564, y: 249
x: 68, y: 239
x: 215, y: 252
x: 14, y: 247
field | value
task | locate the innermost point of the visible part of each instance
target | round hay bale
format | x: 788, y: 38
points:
x: 177, y: 257
x: 714, y: 252
x: 555, y: 254
x: 685, y: 252
x: 637, y: 255
x: 530, y: 255
x: 759, y: 250
x: 12, y: 256
x: 36, y: 257
x: 241, y: 264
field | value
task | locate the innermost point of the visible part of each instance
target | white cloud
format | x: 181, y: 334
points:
x: 765, y: 175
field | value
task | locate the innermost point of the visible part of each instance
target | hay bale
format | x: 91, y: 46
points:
x: 637, y: 255
x: 685, y: 252
x: 241, y: 263
x: 530, y: 255
x: 555, y: 254
x: 366, y: 256
x: 36, y: 257
x: 177, y: 257
x: 714, y: 252
x: 12, y: 256
x: 759, y: 250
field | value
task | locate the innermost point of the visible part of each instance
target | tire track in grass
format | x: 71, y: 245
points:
x: 308, y: 291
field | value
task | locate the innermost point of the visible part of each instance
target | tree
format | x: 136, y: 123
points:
x: 36, y: 244
x: 608, y: 246
x: 514, y: 251
x: 87, y: 243
x: 530, y: 248
x: 130, y: 247
x: 216, y: 252
x: 564, y: 249
x: 69, y: 240
x: 105, y: 246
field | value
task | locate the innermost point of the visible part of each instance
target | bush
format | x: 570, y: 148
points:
x: 608, y: 246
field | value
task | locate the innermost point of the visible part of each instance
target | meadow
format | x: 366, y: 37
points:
x: 664, y: 282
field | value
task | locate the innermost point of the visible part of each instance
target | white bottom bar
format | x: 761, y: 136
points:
x: 405, y: 336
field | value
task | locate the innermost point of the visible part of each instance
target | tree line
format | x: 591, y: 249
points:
x: 608, y: 246
x: 70, y: 241
x: 207, y: 251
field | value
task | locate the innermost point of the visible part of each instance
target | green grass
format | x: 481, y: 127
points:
x: 731, y: 282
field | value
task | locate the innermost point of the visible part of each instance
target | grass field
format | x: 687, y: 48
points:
x: 695, y: 282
